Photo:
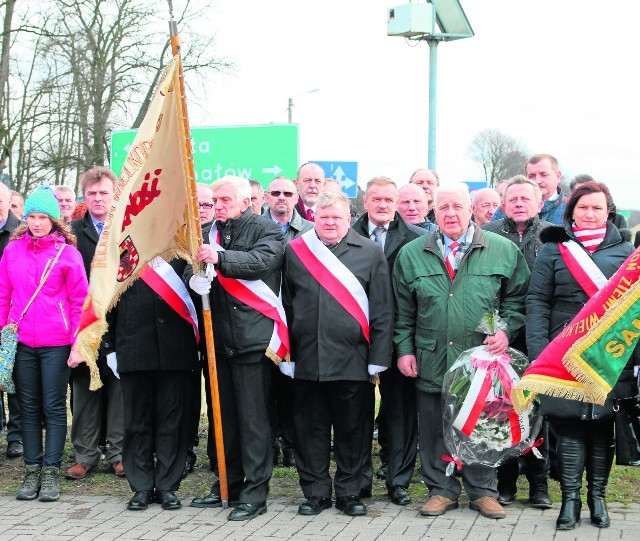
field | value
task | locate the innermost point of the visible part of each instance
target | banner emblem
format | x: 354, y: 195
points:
x: 129, y: 259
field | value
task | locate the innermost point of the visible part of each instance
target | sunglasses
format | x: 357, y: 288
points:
x: 205, y: 205
x: 276, y: 193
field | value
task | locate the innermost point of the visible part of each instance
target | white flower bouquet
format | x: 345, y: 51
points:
x: 480, y: 424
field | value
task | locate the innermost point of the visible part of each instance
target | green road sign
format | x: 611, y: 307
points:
x: 258, y: 152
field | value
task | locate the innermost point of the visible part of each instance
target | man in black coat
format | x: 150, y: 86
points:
x: 91, y: 407
x: 332, y: 277
x: 8, y: 224
x: 397, y: 417
x: 157, y: 355
x: 241, y: 245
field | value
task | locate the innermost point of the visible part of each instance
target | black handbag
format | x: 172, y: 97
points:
x: 627, y: 428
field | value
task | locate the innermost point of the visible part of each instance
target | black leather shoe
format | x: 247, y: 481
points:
x: 382, y: 472
x: 314, y: 505
x: 247, y: 511
x: 399, y: 495
x: 506, y: 498
x: 209, y: 501
x: 14, y: 449
x: 351, y: 505
x: 140, y: 500
x: 539, y: 498
x: 168, y: 500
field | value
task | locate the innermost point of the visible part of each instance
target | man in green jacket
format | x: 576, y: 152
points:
x: 443, y: 287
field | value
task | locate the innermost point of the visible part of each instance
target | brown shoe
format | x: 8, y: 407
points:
x: 118, y: 469
x: 78, y: 471
x: 437, y: 505
x: 488, y: 507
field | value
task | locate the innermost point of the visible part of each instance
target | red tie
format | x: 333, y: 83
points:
x: 310, y: 215
x: 450, y: 261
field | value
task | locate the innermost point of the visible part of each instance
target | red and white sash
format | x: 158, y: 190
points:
x: 582, y: 267
x: 163, y: 279
x: 334, y: 277
x: 259, y: 296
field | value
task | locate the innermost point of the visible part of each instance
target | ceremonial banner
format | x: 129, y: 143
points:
x: 151, y: 215
x: 585, y: 360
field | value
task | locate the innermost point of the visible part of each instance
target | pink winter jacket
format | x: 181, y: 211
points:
x: 53, y: 317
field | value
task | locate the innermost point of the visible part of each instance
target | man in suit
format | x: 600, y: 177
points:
x: 241, y: 245
x: 397, y: 417
x: 89, y: 407
x: 336, y: 294
x: 428, y: 180
x: 310, y: 183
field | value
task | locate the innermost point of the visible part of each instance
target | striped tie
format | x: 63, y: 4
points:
x: 450, y: 261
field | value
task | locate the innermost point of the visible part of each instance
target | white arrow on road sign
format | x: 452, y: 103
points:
x: 344, y: 181
x: 275, y: 170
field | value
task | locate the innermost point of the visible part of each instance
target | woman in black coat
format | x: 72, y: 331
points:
x: 584, y: 431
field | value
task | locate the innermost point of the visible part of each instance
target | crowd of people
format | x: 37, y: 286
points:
x: 390, y: 297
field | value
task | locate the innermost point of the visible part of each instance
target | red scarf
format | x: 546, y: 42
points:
x: 590, y: 238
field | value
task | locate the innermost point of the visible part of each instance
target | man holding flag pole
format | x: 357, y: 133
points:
x: 153, y: 219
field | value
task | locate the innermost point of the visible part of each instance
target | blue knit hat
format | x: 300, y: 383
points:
x: 42, y: 200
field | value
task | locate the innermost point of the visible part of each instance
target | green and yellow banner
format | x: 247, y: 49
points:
x: 585, y: 360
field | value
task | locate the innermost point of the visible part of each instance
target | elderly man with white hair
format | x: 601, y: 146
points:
x: 246, y: 251
x: 443, y: 287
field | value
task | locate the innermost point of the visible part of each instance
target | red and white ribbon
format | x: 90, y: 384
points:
x: 163, y: 279
x: 488, y: 367
x: 582, y: 267
x: 260, y: 297
x: 334, y: 277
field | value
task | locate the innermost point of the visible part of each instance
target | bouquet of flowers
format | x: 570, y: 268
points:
x: 480, y: 424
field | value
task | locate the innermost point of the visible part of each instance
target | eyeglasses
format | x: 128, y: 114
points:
x: 276, y: 193
x: 205, y: 205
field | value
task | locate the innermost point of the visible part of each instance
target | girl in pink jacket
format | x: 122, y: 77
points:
x: 42, y: 253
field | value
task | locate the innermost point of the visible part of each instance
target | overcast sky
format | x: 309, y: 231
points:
x: 560, y: 76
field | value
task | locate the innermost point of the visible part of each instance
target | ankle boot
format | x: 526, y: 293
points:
x: 31, y: 483
x: 571, y: 459
x: 569, y: 511
x: 600, y: 453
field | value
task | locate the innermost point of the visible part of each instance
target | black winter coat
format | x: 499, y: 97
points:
x: 254, y: 248
x: 148, y: 334
x: 327, y: 343
x: 529, y: 242
x: 8, y: 228
x: 554, y: 298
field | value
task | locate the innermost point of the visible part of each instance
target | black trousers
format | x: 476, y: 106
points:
x: 244, y: 386
x: 155, y: 443
x: 400, y: 425
x: 281, y: 408
x: 319, y: 406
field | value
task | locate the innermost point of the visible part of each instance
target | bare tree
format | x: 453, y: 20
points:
x: 90, y: 67
x: 500, y: 155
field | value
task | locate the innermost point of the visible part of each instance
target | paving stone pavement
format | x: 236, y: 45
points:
x: 106, y: 518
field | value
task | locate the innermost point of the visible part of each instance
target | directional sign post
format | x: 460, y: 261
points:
x: 346, y: 173
x: 258, y: 152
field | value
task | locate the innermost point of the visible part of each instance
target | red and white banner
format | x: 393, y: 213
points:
x: 161, y: 277
x: 260, y: 297
x: 334, y: 277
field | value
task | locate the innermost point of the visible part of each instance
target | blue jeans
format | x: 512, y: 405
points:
x: 41, y: 376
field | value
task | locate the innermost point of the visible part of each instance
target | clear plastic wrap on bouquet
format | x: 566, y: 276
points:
x: 480, y: 424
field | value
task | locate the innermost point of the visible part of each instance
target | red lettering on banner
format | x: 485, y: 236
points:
x: 142, y: 198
